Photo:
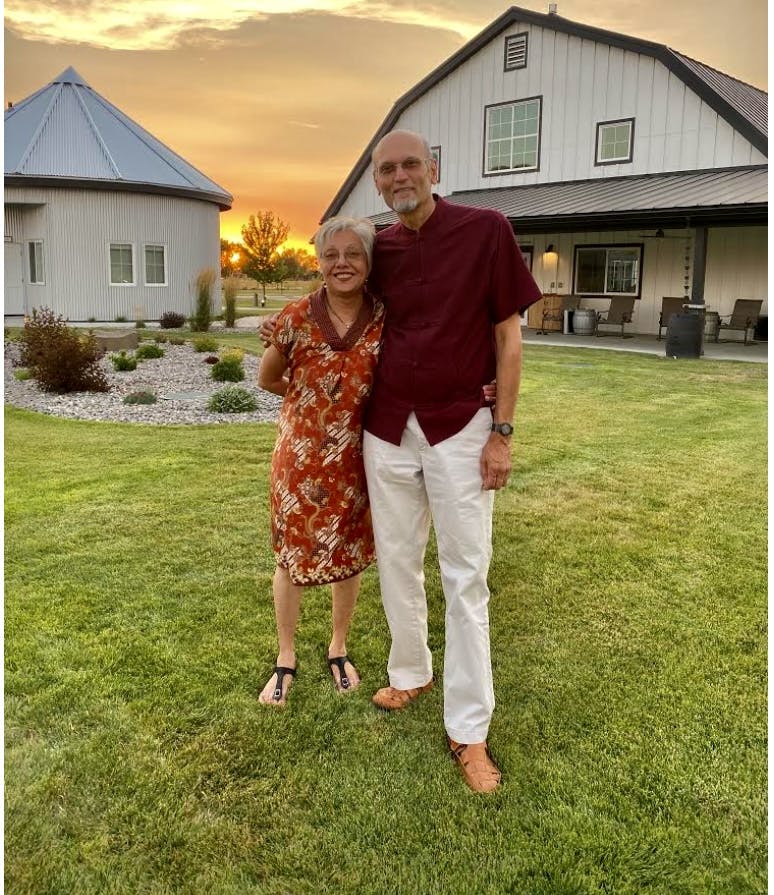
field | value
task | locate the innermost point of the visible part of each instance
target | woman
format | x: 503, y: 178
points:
x: 327, y: 343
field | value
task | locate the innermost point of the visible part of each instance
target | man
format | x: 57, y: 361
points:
x: 454, y: 284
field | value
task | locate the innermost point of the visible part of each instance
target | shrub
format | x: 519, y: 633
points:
x: 205, y: 343
x: 144, y: 352
x: 120, y: 319
x: 238, y: 353
x: 139, y: 324
x: 211, y: 359
x: 171, y: 320
x: 22, y: 374
x: 61, y: 359
x: 200, y: 321
x: 160, y: 339
x: 142, y: 397
x: 229, y: 300
x: 123, y: 362
x: 176, y: 340
x: 228, y: 369
x: 232, y: 399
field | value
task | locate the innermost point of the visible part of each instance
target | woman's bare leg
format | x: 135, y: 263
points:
x: 287, y: 604
x: 344, y: 595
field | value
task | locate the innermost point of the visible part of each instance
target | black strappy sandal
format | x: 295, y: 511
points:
x: 280, y: 671
x: 343, y: 684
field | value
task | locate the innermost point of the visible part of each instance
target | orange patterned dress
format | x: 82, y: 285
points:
x: 321, y: 522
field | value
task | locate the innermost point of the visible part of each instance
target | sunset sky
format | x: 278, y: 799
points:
x: 275, y: 99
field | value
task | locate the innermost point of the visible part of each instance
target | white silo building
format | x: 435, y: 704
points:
x: 102, y: 220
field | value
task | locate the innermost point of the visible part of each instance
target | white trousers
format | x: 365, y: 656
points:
x: 407, y: 485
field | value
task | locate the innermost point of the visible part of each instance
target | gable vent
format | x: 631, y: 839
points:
x: 516, y: 51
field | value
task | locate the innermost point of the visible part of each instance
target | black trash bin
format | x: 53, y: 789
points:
x: 684, y: 335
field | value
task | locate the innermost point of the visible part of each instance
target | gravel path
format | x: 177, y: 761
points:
x: 181, y: 381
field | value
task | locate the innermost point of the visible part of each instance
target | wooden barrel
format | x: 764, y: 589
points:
x: 584, y: 322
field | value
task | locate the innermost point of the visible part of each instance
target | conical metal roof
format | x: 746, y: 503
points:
x: 66, y: 131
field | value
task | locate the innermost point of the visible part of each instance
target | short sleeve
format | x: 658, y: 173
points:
x: 284, y: 333
x: 512, y: 287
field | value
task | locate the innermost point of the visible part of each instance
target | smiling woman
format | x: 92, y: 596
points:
x: 322, y: 360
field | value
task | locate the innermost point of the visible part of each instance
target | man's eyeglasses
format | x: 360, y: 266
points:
x: 410, y: 165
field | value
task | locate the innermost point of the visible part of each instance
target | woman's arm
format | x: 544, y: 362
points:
x: 271, y: 372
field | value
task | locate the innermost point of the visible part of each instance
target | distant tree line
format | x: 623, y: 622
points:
x: 258, y: 255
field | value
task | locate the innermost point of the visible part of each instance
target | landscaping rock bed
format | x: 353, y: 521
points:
x: 181, y: 380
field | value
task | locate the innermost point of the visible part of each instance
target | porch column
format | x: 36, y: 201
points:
x: 699, y: 265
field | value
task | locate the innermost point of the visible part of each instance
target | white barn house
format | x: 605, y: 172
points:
x: 102, y: 220
x: 643, y: 170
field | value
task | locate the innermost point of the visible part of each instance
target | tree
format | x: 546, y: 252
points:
x: 230, y: 258
x: 300, y: 264
x: 262, y: 235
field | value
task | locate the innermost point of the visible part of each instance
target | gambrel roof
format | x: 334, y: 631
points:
x: 743, y: 106
x: 67, y: 134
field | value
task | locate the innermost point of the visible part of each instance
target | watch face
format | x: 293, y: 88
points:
x: 502, y: 428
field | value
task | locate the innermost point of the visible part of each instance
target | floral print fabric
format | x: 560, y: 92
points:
x: 321, y: 523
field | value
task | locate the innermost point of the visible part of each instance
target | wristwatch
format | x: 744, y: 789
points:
x: 502, y: 428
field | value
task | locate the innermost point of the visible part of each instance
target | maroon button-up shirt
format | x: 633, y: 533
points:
x: 445, y: 286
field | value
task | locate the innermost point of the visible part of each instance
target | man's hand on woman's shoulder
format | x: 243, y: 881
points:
x: 267, y: 328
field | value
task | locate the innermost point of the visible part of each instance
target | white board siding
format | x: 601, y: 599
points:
x: 77, y: 227
x: 582, y: 83
x: 736, y: 267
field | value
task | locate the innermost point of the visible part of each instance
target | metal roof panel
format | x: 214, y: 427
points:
x: 731, y: 187
x: 67, y: 130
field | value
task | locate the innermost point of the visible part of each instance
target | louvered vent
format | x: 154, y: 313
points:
x: 516, y: 51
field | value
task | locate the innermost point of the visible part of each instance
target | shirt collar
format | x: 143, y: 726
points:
x: 433, y: 222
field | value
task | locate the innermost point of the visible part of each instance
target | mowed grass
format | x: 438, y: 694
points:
x: 628, y: 621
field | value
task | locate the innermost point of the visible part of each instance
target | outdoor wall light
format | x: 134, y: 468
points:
x: 550, y: 249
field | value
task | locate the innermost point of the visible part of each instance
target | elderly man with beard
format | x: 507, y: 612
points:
x: 454, y: 284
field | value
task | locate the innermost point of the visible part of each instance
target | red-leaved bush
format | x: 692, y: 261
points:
x: 60, y: 358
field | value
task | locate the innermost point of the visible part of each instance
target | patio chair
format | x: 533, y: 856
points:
x: 743, y: 317
x: 553, y: 312
x: 669, y: 305
x: 618, y: 314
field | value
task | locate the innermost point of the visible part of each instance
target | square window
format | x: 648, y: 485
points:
x: 608, y: 270
x: 614, y: 142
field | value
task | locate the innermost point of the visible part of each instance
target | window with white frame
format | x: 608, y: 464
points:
x: 155, y: 265
x: 515, y: 51
x: 608, y: 270
x: 37, y: 271
x: 121, y: 264
x: 615, y: 141
x: 512, y: 136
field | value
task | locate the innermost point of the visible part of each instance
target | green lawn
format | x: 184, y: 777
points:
x: 629, y: 647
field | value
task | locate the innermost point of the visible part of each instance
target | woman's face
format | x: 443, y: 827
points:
x: 344, y: 264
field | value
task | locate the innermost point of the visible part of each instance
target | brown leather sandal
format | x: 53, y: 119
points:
x: 390, y: 699
x: 477, y: 765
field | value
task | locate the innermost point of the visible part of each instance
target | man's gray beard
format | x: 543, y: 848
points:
x: 409, y: 204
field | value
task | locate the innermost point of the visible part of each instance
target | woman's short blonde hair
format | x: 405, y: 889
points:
x: 361, y: 227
